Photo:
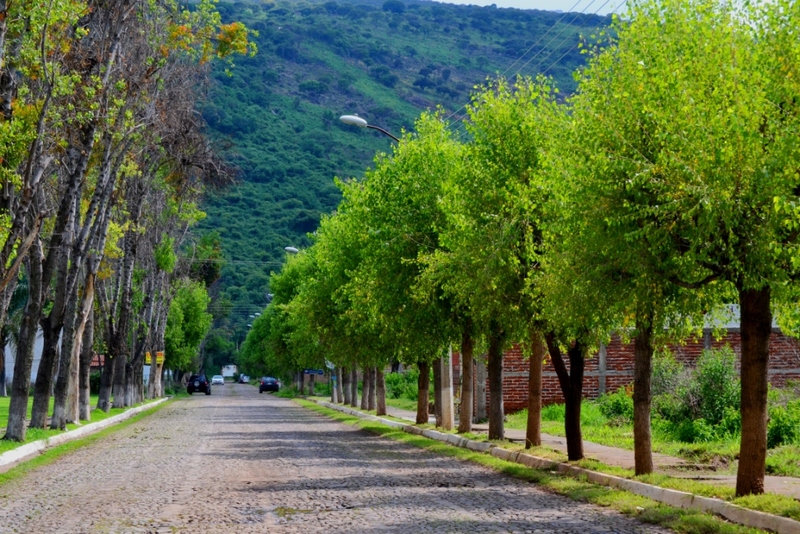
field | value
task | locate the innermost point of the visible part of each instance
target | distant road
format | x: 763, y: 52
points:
x: 239, y: 461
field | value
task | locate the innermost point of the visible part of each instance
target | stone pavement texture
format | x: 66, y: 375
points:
x: 241, y: 462
x: 789, y: 486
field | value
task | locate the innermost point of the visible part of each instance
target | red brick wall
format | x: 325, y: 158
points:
x: 784, y: 365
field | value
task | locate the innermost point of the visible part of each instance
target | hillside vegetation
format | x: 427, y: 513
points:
x: 276, y: 116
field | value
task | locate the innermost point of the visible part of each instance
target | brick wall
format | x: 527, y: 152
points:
x: 612, y: 367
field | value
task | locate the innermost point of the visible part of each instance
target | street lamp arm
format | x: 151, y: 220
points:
x: 384, y: 132
x: 355, y: 120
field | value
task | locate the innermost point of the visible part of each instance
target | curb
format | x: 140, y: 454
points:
x: 17, y: 455
x: 678, y: 499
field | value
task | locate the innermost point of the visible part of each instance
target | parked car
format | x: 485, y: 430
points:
x: 217, y: 380
x: 198, y: 383
x: 244, y: 379
x: 269, y: 384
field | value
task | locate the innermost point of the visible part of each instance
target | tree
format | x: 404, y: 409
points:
x: 687, y: 121
x: 493, y: 205
x: 188, y: 323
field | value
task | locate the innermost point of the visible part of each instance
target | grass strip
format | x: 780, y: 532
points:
x: 642, y: 508
x: 49, y: 456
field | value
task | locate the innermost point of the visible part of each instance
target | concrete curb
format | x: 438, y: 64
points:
x: 17, y: 455
x: 678, y: 499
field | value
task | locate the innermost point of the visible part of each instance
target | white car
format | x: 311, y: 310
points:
x: 217, y: 380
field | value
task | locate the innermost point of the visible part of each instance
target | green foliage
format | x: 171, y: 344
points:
x: 94, y: 383
x: 784, y: 425
x: 207, y: 259
x: 349, y: 57
x: 717, y: 384
x: 188, y: 323
x: 666, y: 375
x: 617, y: 406
x: 165, y: 255
x: 402, y: 385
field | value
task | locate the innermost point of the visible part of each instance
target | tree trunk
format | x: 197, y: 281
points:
x: 380, y: 392
x: 755, y: 328
x: 533, y: 434
x: 371, y: 402
x: 20, y: 386
x: 3, y: 364
x: 480, y: 390
x: 437, y: 391
x: 423, y: 385
x: 571, y: 383
x: 87, y: 352
x: 106, y: 384
x: 340, y: 386
x: 44, y: 377
x: 642, y: 397
x: 302, y: 383
x: 495, y: 369
x: 74, y: 322
x: 465, y: 410
x: 354, y: 386
x: 346, y: 386
x: 311, y: 381
x: 365, y: 388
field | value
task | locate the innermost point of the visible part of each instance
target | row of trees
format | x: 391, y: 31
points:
x: 102, y: 161
x: 665, y: 188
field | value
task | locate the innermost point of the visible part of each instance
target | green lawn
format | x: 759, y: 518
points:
x: 722, y: 454
x: 35, y: 434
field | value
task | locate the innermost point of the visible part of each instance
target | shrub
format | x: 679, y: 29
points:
x: 667, y: 373
x: 717, y: 384
x: 553, y: 412
x: 617, y: 406
x: 402, y: 385
x: 784, y: 425
x: 697, y: 431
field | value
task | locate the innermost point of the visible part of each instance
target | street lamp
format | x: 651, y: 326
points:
x: 293, y: 250
x: 355, y: 120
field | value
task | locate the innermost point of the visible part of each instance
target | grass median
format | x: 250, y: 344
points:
x: 643, y: 509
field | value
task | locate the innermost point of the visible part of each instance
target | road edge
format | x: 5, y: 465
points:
x: 678, y: 499
x: 22, y: 453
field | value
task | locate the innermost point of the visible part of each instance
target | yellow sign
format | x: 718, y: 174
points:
x: 159, y: 358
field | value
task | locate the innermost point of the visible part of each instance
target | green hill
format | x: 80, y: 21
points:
x: 277, y: 115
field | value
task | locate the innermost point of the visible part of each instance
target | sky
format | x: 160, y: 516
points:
x: 586, y: 6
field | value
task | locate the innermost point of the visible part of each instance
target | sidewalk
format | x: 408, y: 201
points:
x: 788, y: 486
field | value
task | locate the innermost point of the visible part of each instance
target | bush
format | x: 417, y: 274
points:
x: 717, y: 384
x: 617, y: 406
x: 553, y: 412
x: 667, y: 374
x: 784, y: 425
x: 402, y: 385
x: 697, y: 431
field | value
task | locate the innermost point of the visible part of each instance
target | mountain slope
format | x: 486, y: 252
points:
x: 384, y: 60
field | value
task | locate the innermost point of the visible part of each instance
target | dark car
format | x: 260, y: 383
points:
x: 198, y: 383
x: 269, y: 384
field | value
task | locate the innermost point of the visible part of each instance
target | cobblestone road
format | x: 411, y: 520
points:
x: 241, y: 462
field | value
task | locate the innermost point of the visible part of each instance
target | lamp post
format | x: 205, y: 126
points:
x: 291, y: 250
x: 355, y: 120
